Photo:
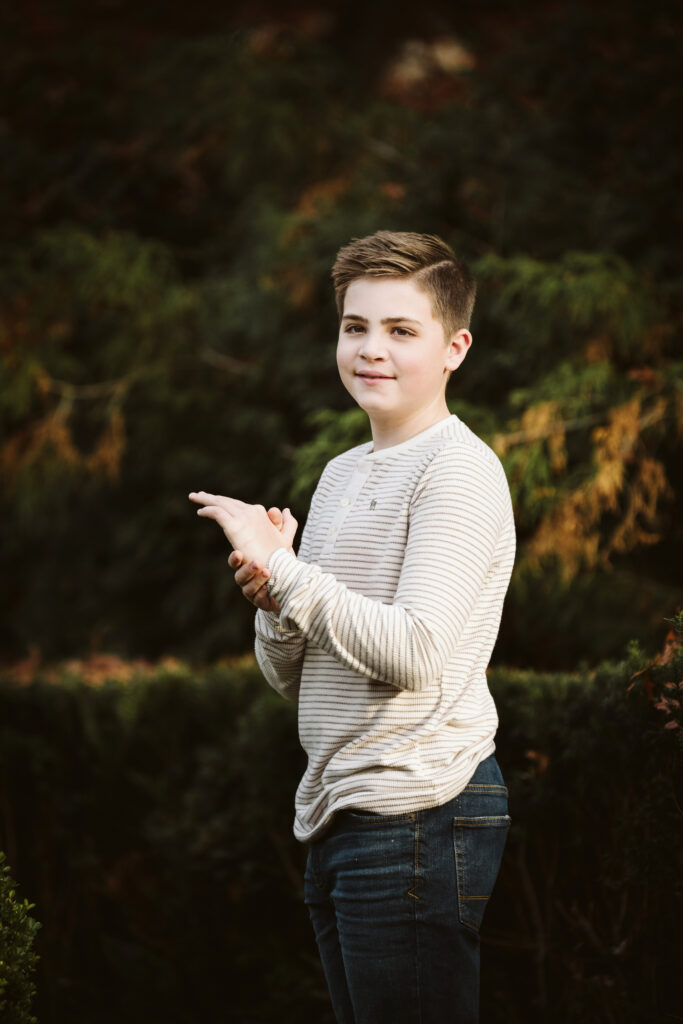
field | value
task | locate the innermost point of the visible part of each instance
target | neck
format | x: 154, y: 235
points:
x: 385, y: 434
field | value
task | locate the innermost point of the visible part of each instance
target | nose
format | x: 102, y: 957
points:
x: 372, y: 346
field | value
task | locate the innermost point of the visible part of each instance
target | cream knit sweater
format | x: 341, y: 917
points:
x: 388, y: 617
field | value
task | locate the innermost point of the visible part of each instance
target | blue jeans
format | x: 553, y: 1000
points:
x: 396, y: 901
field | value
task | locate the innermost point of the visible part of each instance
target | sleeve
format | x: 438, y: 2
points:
x: 279, y: 644
x: 457, y: 512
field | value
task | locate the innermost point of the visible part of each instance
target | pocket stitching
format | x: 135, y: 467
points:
x: 495, y: 820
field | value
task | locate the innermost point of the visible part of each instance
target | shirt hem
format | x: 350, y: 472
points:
x: 418, y: 804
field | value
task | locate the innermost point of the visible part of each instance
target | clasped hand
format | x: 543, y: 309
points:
x: 254, y: 534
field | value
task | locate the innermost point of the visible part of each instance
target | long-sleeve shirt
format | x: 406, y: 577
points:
x: 388, y: 616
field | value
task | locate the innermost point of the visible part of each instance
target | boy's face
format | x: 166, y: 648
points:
x: 391, y: 352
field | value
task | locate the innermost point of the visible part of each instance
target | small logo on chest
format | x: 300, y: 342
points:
x: 373, y: 503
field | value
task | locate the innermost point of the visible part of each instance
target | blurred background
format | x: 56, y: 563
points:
x: 176, y: 181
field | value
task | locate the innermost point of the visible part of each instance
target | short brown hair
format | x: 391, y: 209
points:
x: 436, y: 269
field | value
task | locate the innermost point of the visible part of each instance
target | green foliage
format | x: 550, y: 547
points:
x: 169, y: 221
x: 588, y: 292
x: 17, y: 958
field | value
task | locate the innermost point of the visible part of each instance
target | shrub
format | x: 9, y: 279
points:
x: 153, y: 815
x: 17, y: 958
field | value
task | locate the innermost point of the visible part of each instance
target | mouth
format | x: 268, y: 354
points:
x: 373, y: 376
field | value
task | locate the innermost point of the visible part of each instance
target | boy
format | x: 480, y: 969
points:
x: 382, y: 627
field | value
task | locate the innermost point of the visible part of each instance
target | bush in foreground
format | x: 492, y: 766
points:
x: 17, y: 958
x: 152, y: 815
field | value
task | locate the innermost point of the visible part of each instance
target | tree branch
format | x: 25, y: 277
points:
x: 520, y: 436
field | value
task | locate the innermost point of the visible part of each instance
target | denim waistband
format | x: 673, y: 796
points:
x: 486, y: 779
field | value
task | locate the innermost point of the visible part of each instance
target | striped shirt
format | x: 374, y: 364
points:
x: 388, y: 617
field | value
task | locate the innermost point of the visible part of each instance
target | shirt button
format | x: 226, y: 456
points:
x: 345, y: 501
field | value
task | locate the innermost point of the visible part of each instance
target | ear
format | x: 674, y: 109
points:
x: 457, y: 348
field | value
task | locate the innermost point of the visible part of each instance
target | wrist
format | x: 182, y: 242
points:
x: 270, y: 551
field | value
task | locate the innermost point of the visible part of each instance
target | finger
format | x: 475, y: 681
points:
x: 244, y: 575
x: 212, y: 511
x: 275, y: 516
x: 289, y: 526
x: 217, y: 500
x: 222, y: 516
x: 253, y: 588
x: 249, y: 571
x: 258, y: 580
x: 235, y: 559
x: 267, y: 603
x: 201, y: 497
x: 204, y: 497
x: 262, y: 592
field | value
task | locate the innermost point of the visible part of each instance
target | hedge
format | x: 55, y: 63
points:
x: 149, y: 817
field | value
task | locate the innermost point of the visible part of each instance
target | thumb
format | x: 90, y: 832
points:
x: 275, y: 516
x: 289, y: 526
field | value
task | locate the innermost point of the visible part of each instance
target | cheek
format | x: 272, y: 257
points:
x: 345, y: 364
x: 417, y: 370
x: 341, y: 356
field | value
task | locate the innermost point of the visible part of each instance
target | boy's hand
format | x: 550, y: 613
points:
x: 255, y: 534
x: 247, y: 527
x: 253, y: 577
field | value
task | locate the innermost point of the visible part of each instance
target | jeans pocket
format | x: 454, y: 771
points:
x: 479, y: 843
x: 357, y: 816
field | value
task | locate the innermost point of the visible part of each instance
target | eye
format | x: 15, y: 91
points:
x: 352, y: 328
x: 404, y: 333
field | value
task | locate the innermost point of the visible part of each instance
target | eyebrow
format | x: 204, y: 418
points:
x: 386, y: 320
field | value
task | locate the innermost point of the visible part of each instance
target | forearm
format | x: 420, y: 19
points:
x: 377, y: 640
